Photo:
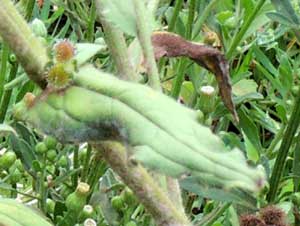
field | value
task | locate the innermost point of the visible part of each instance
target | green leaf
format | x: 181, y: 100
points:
x: 6, y: 129
x: 216, y: 192
x: 85, y: 51
x: 244, y: 87
x: 165, y: 136
x: 278, y: 17
x: 121, y: 14
x: 249, y: 128
x: 286, y: 8
x: 13, y: 213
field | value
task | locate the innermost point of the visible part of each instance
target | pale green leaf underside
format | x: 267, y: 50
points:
x: 165, y: 136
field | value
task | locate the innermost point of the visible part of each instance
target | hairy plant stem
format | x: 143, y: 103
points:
x: 144, y: 36
x: 287, y: 139
x: 137, y: 178
x: 238, y: 37
x: 117, y: 45
x: 7, y: 93
x: 16, y: 33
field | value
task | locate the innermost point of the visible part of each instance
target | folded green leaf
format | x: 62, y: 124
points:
x: 165, y: 136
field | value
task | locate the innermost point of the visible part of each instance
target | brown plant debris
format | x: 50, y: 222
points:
x: 268, y: 216
x: 251, y: 220
x: 167, y: 44
x: 272, y: 215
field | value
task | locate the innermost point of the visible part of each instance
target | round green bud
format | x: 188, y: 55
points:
x: 129, y: 197
x: 63, y: 162
x: 16, y: 176
x: 77, y: 200
x: 7, y: 159
x: 87, y: 212
x: 38, y: 28
x: 19, y: 165
x: 51, y: 155
x: 41, y: 148
x: 12, y: 58
x: 50, y: 142
x: 50, y: 205
x: 117, y: 202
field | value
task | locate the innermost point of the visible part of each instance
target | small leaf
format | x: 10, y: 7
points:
x: 85, y: 51
x: 244, y: 87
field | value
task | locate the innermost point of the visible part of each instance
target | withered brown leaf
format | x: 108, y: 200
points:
x: 168, y: 44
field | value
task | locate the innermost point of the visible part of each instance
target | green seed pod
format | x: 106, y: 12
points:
x: 7, y: 159
x: 19, y: 165
x: 38, y: 28
x: 129, y: 197
x: 76, y: 200
x: 206, y: 102
x: 50, y: 142
x: 51, y: 155
x: 50, y: 205
x: 16, y: 176
x: 117, y: 202
x: 63, y: 162
x: 87, y: 212
x: 41, y: 148
x: 12, y: 58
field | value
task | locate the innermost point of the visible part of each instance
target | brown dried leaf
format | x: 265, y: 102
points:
x: 171, y: 45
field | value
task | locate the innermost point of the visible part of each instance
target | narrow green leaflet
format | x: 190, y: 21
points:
x: 165, y: 136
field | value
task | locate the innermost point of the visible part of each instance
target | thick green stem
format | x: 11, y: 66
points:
x: 75, y: 166
x: 16, y: 33
x: 144, y: 36
x: 137, y: 178
x: 177, y: 9
x: 4, y: 60
x: 91, y: 22
x: 203, y: 17
x: 189, y: 26
x: 117, y: 45
x: 7, y: 93
x: 288, y: 137
x: 86, y: 165
x: 296, y: 165
x: 183, y: 63
x: 238, y: 37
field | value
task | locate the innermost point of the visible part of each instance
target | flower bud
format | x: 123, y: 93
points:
x: 39, y: 28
